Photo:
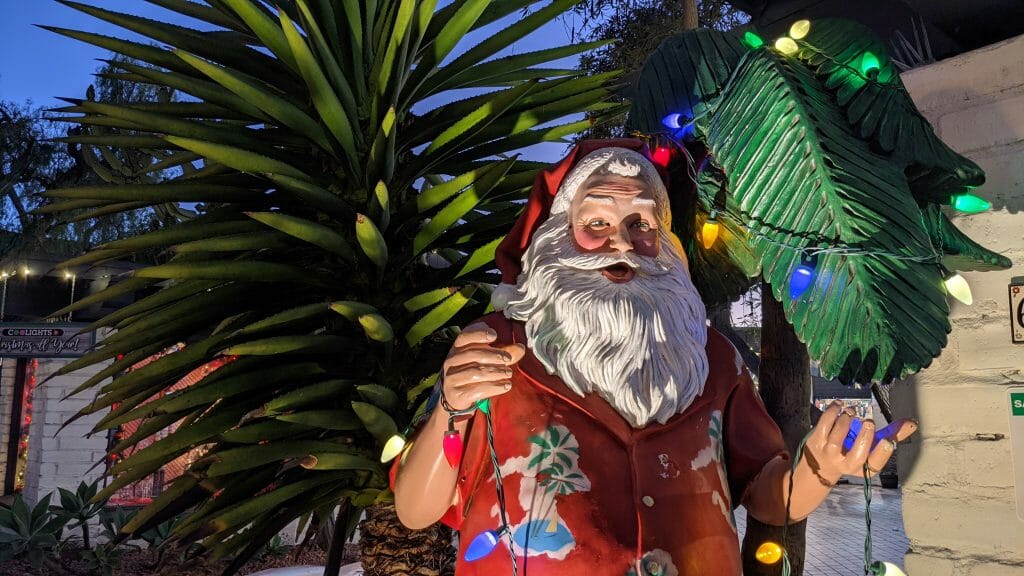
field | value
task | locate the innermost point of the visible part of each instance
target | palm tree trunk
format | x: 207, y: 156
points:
x: 785, y: 387
x: 390, y: 549
x: 690, y: 16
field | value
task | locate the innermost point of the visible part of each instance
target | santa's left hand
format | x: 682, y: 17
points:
x: 824, y: 449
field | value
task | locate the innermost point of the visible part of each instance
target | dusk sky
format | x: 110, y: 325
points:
x: 38, y: 65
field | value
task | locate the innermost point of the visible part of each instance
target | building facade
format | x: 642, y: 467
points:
x: 959, y: 504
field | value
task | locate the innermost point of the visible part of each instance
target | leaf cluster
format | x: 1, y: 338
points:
x: 810, y: 159
x: 354, y: 166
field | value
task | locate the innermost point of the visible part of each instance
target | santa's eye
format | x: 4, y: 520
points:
x: 642, y: 226
x: 598, y: 224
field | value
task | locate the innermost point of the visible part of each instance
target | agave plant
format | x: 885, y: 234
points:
x: 352, y: 173
x: 812, y: 156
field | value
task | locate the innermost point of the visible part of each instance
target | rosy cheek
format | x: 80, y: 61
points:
x: 648, y: 247
x: 587, y: 241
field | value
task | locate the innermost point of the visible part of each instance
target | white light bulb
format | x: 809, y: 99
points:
x: 890, y: 569
x: 959, y: 288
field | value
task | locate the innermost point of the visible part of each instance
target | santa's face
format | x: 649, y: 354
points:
x: 607, y: 301
x: 613, y: 215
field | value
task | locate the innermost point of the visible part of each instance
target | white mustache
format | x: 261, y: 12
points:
x: 642, y: 264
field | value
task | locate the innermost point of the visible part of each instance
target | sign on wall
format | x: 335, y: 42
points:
x: 1017, y: 310
x: 1015, y: 396
x: 27, y: 340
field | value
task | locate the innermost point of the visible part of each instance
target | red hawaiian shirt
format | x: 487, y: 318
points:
x: 586, y: 494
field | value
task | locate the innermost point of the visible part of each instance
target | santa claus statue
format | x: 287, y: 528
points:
x: 621, y: 431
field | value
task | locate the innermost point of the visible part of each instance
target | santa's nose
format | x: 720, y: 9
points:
x: 620, y: 241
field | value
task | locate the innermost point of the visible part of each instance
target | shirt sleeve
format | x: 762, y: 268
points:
x: 752, y: 439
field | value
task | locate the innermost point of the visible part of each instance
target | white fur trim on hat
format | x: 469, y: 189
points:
x: 621, y: 161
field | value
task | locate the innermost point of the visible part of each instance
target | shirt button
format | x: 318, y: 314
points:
x: 648, y: 501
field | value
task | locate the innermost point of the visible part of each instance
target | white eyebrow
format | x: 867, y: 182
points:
x: 599, y: 199
x: 644, y: 201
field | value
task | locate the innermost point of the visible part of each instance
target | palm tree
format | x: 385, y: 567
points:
x: 353, y: 167
x: 809, y: 160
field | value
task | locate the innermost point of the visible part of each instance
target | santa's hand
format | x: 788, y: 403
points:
x: 476, y: 368
x: 824, y: 448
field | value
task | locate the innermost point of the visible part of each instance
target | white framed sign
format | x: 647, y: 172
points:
x: 1016, y: 289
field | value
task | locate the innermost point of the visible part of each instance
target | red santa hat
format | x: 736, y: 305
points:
x: 565, y: 176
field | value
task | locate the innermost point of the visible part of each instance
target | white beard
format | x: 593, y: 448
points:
x: 638, y: 344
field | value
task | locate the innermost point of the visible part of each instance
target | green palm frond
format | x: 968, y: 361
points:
x: 350, y: 204
x: 809, y: 160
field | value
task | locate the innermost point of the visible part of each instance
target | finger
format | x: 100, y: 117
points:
x: 861, y: 447
x: 466, y: 396
x: 487, y: 355
x: 478, y: 333
x: 904, y: 429
x: 837, y: 435
x: 826, y: 422
x: 880, y: 455
x: 472, y: 374
x: 516, y: 351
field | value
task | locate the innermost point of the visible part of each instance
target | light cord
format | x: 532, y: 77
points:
x: 501, y: 493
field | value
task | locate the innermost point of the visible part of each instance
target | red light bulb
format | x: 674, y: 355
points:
x: 452, y: 445
x: 661, y: 156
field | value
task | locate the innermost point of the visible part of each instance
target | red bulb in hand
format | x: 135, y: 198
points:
x: 452, y: 445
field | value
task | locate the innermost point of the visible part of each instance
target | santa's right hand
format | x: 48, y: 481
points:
x: 476, y: 368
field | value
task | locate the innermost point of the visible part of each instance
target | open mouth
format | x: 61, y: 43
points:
x: 618, y: 273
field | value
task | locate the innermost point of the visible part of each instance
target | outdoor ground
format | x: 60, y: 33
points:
x: 835, y: 541
x: 835, y: 531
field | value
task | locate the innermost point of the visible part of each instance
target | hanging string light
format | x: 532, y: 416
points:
x: 661, y: 156
x: 869, y: 64
x: 957, y: 286
x: 672, y: 121
x: 970, y: 203
x: 786, y: 45
x: 752, y: 40
x: 392, y: 448
x: 709, y: 231
x: 801, y: 278
x: 483, y: 544
x: 799, y: 29
x: 768, y: 553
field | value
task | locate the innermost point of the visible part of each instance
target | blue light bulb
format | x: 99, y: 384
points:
x: 672, y: 121
x: 482, y: 545
x: 800, y: 280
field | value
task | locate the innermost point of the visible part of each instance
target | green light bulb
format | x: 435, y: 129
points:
x: 970, y: 203
x: 869, y: 64
x: 752, y: 41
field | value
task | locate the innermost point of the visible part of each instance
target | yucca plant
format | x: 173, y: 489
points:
x: 351, y: 190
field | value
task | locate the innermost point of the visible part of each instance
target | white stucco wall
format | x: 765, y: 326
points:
x: 959, y: 506
x: 61, y: 460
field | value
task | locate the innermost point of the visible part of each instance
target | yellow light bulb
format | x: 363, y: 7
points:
x: 67, y: 275
x: 26, y: 271
x: 786, y: 45
x: 392, y: 448
x: 768, y: 553
x: 709, y: 232
x: 959, y: 289
x: 799, y: 29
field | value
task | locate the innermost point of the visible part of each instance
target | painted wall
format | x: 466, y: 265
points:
x: 65, y: 459
x: 959, y: 506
